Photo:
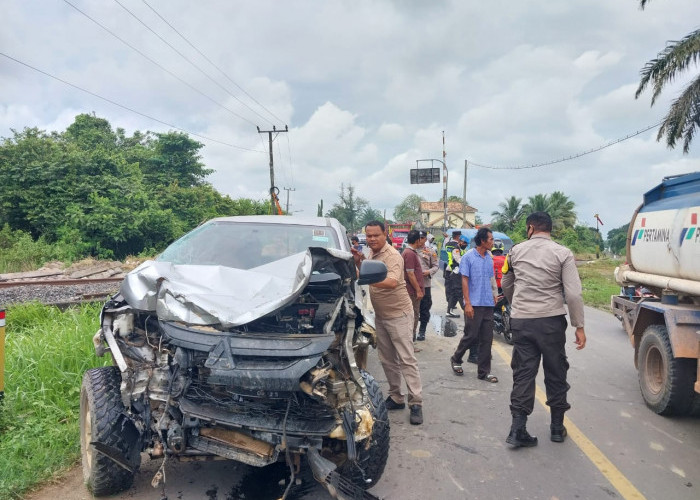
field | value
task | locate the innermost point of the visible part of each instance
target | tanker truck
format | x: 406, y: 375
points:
x: 663, y: 255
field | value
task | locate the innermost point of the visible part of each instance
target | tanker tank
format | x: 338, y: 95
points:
x: 663, y: 242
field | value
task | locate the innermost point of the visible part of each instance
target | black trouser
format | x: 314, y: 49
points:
x: 453, y: 290
x: 478, y: 331
x: 533, y: 339
x: 425, y: 304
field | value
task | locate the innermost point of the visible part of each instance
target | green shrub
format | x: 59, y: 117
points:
x: 47, y: 352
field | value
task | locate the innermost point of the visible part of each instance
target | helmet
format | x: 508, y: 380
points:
x: 498, y: 248
x: 464, y: 239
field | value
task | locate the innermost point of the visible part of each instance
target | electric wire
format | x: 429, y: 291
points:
x: 212, y: 63
x: 568, y: 158
x: 159, y: 65
x: 204, y: 137
x: 188, y: 60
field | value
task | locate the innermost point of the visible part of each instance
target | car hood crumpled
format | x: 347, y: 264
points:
x: 209, y: 295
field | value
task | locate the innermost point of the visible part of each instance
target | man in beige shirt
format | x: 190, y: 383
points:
x: 394, y: 324
x: 537, y: 275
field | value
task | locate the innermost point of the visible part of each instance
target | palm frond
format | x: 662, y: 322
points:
x: 683, y: 119
x: 675, y: 58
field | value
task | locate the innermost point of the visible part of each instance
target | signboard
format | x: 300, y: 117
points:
x: 425, y: 175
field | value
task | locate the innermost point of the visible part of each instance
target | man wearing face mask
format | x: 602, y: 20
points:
x: 537, y: 274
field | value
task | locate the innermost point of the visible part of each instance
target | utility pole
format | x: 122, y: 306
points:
x: 444, y: 182
x: 273, y: 188
x: 464, y: 195
x: 288, y: 190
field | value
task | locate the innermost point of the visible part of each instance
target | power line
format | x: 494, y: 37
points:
x: 159, y: 65
x: 212, y: 63
x: 568, y: 158
x: 188, y: 60
x: 128, y: 108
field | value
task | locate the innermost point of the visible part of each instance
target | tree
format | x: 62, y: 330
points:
x: 349, y: 208
x: 683, y: 118
x: 617, y: 239
x: 558, y: 206
x: 408, y: 209
x: 96, y: 192
x: 537, y: 203
x: 370, y: 214
x: 561, y: 209
x: 509, y: 215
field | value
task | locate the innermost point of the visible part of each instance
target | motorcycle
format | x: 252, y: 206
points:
x: 501, y: 318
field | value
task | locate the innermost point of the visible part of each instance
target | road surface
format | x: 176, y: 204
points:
x: 617, y: 448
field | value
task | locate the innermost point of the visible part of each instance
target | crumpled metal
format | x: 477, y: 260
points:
x: 208, y: 295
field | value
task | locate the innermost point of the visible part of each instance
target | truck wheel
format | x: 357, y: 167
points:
x: 103, y: 420
x: 371, y: 459
x: 666, y: 382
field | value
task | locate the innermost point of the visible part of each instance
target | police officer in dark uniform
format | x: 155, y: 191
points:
x: 537, y: 274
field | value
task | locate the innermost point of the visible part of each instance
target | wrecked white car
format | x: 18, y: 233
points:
x: 245, y: 339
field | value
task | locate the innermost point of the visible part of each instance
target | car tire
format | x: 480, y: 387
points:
x: 666, y: 382
x: 103, y: 419
x: 366, y: 470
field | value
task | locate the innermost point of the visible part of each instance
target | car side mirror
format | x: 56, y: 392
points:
x: 371, y: 271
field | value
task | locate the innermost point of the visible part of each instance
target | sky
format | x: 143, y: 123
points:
x: 365, y: 89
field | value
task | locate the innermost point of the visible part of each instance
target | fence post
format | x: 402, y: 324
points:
x: 2, y: 354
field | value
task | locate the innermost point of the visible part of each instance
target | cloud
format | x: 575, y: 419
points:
x: 367, y: 88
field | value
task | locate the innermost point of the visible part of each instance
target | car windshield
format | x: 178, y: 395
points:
x: 245, y: 245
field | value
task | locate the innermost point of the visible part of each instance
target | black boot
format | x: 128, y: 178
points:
x: 421, y: 331
x: 518, y: 433
x: 557, y: 426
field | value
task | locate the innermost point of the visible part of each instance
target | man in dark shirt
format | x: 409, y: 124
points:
x: 413, y: 274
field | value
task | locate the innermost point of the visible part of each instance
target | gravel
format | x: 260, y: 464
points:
x: 57, y: 294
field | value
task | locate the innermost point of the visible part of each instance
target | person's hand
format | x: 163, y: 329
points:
x: 357, y: 255
x: 420, y: 294
x: 469, y: 311
x: 580, y: 338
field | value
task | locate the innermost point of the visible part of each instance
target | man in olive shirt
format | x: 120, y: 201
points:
x: 537, y: 274
x: 394, y: 324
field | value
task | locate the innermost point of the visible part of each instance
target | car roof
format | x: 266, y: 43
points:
x: 281, y: 219
x: 470, y: 233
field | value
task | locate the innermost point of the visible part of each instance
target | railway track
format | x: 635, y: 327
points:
x: 59, y: 282
x: 58, y: 292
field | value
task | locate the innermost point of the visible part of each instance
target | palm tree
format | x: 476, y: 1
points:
x: 684, y: 115
x: 510, y: 213
x: 561, y: 209
x: 537, y: 203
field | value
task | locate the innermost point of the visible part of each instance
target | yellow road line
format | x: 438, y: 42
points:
x: 605, y: 466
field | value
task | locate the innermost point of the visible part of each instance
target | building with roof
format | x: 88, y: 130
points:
x: 432, y: 214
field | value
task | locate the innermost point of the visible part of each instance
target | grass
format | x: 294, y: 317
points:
x: 598, y: 282
x: 46, y: 353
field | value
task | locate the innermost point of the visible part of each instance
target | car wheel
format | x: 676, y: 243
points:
x: 366, y: 470
x: 666, y: 382
x: 103, y: 420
